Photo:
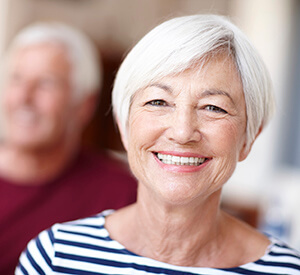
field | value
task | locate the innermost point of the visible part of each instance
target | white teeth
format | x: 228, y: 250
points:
x: 176, y: 160
x: 185, y: 160
x: 191, y: 160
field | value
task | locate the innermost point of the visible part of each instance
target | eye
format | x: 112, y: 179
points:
x: 156, y: 102
x: 215, y: 109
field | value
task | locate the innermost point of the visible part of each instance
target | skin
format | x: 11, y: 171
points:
x: 177, y: 218
x: 43, y: 122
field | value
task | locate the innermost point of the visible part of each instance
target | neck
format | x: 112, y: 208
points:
x: 198, y: 234
x: 183, y: 235
x: 186, y: 229
x: 35, y: 167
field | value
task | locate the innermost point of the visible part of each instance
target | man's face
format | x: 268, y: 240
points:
x: 38, y: 98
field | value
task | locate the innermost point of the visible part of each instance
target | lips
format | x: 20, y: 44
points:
x: 180, y: 160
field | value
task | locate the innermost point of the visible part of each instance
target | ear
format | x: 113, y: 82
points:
x: 86, y: 108
x: 247, y: 149
x: 123, y: 134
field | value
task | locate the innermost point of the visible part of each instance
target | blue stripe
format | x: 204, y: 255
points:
x: 282, y: 264
x: 282, y: 245
x: 84, y: 234
x: 111, y: 263
x: 43, y: 252
x: 65, y: 270
x: 51, y: 236
x: 23, y: 269
x: 34, y: 264
x: 95, y: 247
x: 275, y: 254
x: 239, y: 270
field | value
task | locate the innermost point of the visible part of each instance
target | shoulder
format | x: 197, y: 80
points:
x: 102, y: 162
x: 280, y: 257
x: 111, y: 172
x: 280, y: 248
x: 93, y: 226
x: 61, y: 239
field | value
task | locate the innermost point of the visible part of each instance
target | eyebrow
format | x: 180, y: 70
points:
x: 162, y: 86
x: 213, y: 92
x: 205, y: 93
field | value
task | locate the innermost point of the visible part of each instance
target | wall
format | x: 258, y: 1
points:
x: 263, y: 177
x: 109, y: 21
x: 3, y: 25
x: 268, y: 24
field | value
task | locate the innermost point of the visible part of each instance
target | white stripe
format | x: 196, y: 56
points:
x: 38, y: 258
x: 18, y: 271
x: 78, y: 265
x: 90, y: 221
x: 25, y: 262
x: 277, y: 249
x: 281, y: 259
x: 268, y: 269
x: 47, y: 244
x: 97, y: 232
x: 87, y: 240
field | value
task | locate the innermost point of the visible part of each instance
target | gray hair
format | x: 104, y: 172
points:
x: 177, y: 45
x: 86, y: 74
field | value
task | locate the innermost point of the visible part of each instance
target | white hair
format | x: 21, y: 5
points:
x: 86, y: 74
x: 177, y: 45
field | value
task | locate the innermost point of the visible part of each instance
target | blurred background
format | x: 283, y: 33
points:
x: 265, y: 189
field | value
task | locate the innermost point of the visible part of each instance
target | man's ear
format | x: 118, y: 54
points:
x: 247, y: 149
x: 122, y: 133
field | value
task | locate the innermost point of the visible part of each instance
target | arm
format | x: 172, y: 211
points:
x: 37, y: 258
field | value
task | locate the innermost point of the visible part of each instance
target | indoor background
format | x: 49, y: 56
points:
x: 265, y: 190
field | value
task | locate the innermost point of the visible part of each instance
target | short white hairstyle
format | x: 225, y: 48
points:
x: 176, y: 45
x: 86, y: 71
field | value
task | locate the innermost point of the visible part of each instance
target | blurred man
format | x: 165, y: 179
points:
x: 49, y: 95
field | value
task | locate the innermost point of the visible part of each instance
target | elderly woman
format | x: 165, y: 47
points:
x: 190, y: 99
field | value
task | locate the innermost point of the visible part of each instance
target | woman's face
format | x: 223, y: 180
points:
x: 187, y: 132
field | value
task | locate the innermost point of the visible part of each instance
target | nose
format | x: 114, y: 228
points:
x: 24, y: 92
x: 185, y: 126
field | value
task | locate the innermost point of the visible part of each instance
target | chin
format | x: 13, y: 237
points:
x: 28, y: 144
x: 184, y: 194
x: 178, y: 196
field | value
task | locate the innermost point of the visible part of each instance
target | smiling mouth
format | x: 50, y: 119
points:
x: 177, y: 160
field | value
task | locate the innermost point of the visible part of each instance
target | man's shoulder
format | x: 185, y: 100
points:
x: 99, y: 171
x: 103, y: 163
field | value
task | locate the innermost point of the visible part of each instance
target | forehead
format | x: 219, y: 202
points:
x: 39, y: 56
x: 216, y: 73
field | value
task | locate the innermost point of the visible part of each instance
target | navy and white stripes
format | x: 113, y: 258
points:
x: 84, y: 247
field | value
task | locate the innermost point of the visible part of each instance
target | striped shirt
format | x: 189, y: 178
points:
x: 85, y: 247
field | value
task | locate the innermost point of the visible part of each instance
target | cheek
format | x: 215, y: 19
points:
x: 144, y: 128
x: 226, y: 138
x: 226, y: 144
x: 8, y: 99
x: 138, y: 137
x: 143, y: 133
x: 56, y: 105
